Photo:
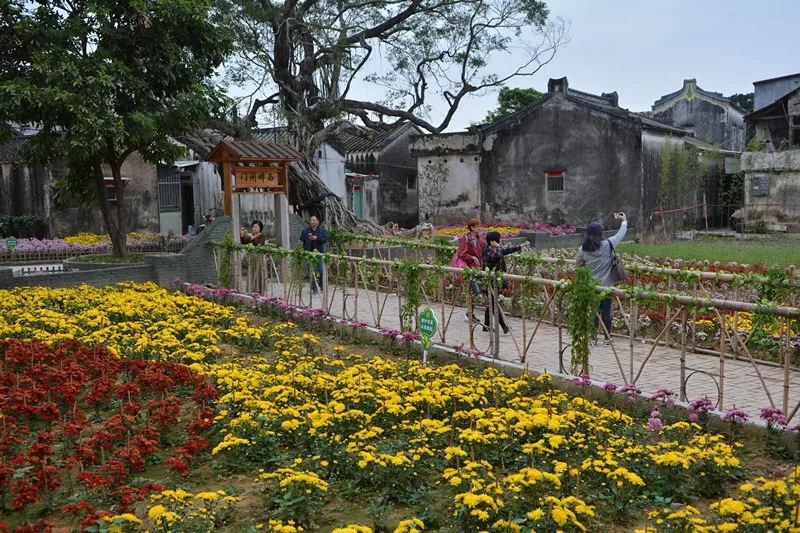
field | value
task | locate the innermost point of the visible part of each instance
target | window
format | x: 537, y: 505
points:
x: 555, y: 181
x: 411, y: 183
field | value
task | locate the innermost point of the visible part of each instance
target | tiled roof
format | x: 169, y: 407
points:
x: 604, y: 103
x: 254, y: 150
x: 370, y: 140
x: 697, y: 90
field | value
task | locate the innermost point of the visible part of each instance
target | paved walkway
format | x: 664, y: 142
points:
x: 732, y: 383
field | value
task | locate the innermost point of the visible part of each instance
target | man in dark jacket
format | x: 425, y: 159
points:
x: 314, y: 238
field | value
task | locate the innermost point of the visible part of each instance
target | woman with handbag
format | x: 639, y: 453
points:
x: 600, y: 256
x: 470, y: 254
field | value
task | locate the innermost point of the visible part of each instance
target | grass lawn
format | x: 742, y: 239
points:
x: 770, y: 251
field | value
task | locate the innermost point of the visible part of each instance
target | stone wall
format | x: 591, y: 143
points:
x: 599, y: 154
x: 195, y: 264
x: 398, y: 203
x: 781, y: 203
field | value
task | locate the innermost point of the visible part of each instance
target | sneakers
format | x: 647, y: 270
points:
x: 592, y: 343
x: 607, y: 342
x: 506, y: 329
x: 474, y: 318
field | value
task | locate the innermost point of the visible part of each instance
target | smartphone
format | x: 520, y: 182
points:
x: 616, y: 215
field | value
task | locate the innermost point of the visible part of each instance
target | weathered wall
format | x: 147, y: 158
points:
x: 331, y: 168
x: 766, y: 92
x: 710, y: 121
x: 208, y: 195
x: 30, y: 191
x: 24, y: 190
x: 141, y: 196
x: 599, y: 154
x: 449, y: 187
x: 783, y: 170
x: 370, y: 197
x: 397, y: 202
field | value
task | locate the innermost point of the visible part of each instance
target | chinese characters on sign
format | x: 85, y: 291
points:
x: 256, y: 177
x: 427, y: 327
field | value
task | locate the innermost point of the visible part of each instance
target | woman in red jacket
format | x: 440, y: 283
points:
x: 470, y: 254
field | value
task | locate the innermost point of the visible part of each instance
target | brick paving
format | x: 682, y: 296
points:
x: 738, y: 387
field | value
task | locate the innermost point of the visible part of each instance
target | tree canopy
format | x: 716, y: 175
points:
x: 745, y: 101
x: 510, y: 100
x: 101, y: 79
x: 308, y: 56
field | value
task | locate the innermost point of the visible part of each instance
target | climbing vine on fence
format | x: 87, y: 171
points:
x: 410, y: 273
x: 582, y: 302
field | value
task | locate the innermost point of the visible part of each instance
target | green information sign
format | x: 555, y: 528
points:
x: 427, y: 327
x: 11, y: 242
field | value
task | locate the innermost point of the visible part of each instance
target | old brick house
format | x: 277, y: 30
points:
x: 381, y: 174
x: 706, y: 115
x: 571, y: 157
x: 772, y: 173
x: 30, y: 190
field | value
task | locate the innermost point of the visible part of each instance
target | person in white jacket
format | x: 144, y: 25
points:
x: 595, y: 253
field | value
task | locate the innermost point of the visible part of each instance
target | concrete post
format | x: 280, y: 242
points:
x: 282, y: 220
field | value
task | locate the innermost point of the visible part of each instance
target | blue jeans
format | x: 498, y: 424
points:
x: 605, y: 311
x: 476, y: 292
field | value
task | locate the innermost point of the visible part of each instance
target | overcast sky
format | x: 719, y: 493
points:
x: 644, y: 49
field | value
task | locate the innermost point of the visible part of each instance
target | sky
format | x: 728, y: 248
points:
x: 644, y: 49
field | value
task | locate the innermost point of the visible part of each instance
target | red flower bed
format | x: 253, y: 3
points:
x: 106, y: 417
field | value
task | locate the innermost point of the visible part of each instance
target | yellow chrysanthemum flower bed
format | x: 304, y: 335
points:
x: 141, y: 321
x: 462, y: 230
x: 491, y: 452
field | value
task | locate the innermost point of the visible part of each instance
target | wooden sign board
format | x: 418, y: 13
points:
x: 256, y: 177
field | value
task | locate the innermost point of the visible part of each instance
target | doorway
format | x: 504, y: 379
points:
x: 358, y: 209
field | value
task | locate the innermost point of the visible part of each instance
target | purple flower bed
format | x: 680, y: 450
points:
x: 59, y: 246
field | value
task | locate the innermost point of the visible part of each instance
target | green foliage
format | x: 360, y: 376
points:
x: 511, y: 100
x: 582, y: 302
x: 411, y: 274
x: 744, y: 101
x: 26, y: 226
x: 771, y: 252
x: 681, y: 175
x: 102, y: 79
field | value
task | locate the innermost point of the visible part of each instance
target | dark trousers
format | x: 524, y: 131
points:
x: 490, y: 309
x: 316, y: 277
x: 605, y: 312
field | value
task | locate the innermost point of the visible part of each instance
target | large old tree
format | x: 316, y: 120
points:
x: 101, y: 79
x: 421, y: 59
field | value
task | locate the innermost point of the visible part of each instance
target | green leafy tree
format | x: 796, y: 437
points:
x: 101, y: 79
x: 306, y: 58
x: 511, y: 100
x: 746, y: 101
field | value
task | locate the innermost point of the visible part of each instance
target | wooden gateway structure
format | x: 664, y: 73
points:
x: 256, y: 167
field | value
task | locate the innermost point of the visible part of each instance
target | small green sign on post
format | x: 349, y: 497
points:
x: 427, y: 327
x: 11, y: 242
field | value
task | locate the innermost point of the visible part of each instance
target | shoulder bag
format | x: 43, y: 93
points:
x: 617, y: 268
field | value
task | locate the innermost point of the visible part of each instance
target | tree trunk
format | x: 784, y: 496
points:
x: 116, y: 231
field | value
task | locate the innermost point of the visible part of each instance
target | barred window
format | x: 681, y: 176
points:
x: 555, y: 181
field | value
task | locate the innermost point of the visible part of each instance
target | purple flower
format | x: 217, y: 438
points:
x: 693, y: 417
x: 609, y: 387
x: 654, y: 423
x: 582, y: 381
x: 773, y: 416
x: 662, y: 394
x: 735, y: 416
x: 701, y: 406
